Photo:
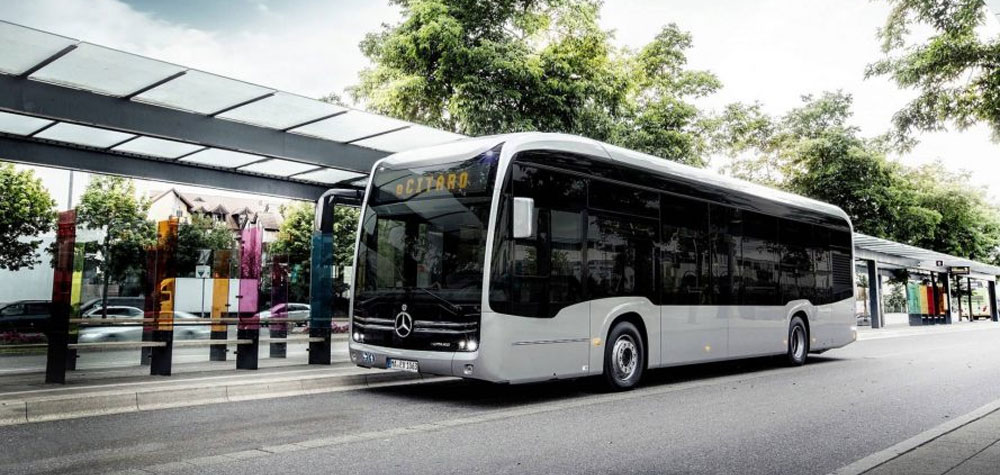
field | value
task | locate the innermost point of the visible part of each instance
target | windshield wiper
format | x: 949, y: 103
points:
x: 455, y: 309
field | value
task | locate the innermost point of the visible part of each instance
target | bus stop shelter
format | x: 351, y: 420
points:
x: 71, y: 104
x: 881, y: 255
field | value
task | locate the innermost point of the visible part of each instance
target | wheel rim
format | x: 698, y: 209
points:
x: 625, y: 358
x: 798, y: 342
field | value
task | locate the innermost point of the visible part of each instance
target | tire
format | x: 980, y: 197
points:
x: 624, y: 357
x: 798, y: 342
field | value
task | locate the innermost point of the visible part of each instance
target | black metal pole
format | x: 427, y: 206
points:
x: 873, y: 291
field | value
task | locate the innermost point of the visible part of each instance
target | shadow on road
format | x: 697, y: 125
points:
x: 499, y: 396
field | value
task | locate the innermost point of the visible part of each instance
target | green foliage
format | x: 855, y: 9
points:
x: 295, y: 234
x: 109, y: 203
x: 201, y: 233
x: 955, y: 70
x: 345, y: 229
x: 814, y: 151
x: 482, y: 68
x: 26, y: 211
x: 295, y: 241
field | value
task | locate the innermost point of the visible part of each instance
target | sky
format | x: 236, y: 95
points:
x: 771, y: 51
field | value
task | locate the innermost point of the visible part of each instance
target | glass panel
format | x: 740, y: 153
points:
x: 105, y: 70
x: 20, y: 124
x: 221, y: 158
x: 157, y: 147
x: 684, y: 251
x: 281, y: 111
x: 278, y: 167
x: 758, y: 259
x: 328, y: 175
x: 408, y: 138
x: 725, y: 231
x: 624, y: 199
x: 83, y: 135
x: 201, y: 92
x: 24, y: 47
x: 350, y: 126
x: 620, y: 257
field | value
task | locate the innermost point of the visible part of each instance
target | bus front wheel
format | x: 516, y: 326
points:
x: 624, y: 357
x: 798, y: 342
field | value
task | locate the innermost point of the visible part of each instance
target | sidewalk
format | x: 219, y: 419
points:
x: 971, y: 449
x: 24, y: 398
x: 968, y: 445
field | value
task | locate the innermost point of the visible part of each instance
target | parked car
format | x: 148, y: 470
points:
x: 114, y: 311
x: 290, y: 310
x: 25, y: 316
x: 134, y: 332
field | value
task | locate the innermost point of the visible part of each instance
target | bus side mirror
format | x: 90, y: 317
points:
x: 524, y: 218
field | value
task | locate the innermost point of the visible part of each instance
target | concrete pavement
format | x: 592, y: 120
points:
x: 964, y: 446
x: 751, y: 416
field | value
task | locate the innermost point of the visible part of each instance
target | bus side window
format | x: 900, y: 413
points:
x: 684, y: 256
x: 540, y: 275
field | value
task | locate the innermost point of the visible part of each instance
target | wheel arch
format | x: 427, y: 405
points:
x: 635, y: 319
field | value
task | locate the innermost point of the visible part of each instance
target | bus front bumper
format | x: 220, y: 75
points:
x: 444, y: 363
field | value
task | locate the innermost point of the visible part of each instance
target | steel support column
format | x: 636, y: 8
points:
x: 874, y: 298
x: 992, y: 286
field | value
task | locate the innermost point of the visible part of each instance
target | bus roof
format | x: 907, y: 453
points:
x: 573, y: 143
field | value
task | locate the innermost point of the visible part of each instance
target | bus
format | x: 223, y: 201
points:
x: 535, y: 256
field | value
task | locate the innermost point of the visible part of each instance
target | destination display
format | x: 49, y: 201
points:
x: 467, y: 178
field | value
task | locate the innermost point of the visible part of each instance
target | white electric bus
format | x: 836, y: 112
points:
x: 534, y: 256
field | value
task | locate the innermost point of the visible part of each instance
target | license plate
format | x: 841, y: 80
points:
x: 403, y: 365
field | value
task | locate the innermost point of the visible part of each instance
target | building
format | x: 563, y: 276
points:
x: 236, y: 213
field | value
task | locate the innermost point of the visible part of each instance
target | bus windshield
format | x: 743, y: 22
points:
x: 424, y: 231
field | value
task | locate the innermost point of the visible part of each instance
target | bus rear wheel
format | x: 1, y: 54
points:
x: 798, y: 342
x: 624, y: 357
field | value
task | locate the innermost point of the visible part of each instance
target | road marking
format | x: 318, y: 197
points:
x: 488, y: 416
x: 883, y: 456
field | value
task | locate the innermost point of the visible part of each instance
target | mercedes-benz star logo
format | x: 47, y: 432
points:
x: 404, y: 323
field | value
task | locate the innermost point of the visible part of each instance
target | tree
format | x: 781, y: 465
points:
x: 814, y: 151
x: 200, y: 234
x: 955, y: 70
x: 26, y: 211
x: 968, y: 224
x: 295, y: 241
x: 483, y: 68
x: 345, y: 230
x: 109, y: 203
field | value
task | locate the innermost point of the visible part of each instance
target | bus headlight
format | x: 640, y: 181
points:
x: 472, y: 345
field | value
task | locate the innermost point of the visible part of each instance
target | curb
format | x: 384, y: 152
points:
x: 881, y: 457
x: 52, y: 408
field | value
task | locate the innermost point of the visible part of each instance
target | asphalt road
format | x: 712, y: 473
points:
x: 748, y: 417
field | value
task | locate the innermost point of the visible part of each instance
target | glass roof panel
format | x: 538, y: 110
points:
x: 104, y: 70
x: 277, y: 167
x: 350, y: 126
x: 409, y: 138
x: 24, y: 47
x: 201, y: 92
x: 20, y: 124
x: 281, y: 111
x: 156, y: 147
x: 83, y: 135
x: 328, y: 176
x: 221, y: 158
